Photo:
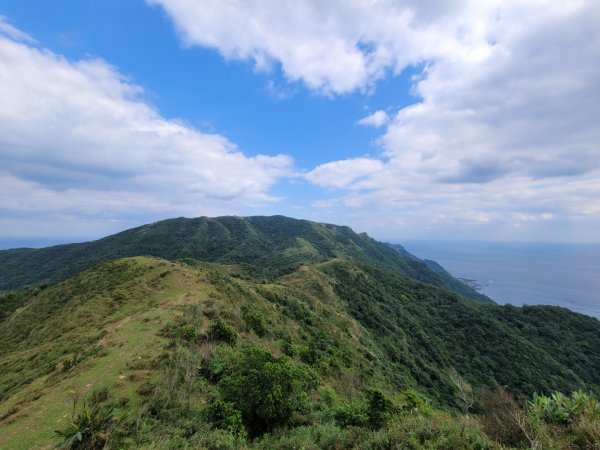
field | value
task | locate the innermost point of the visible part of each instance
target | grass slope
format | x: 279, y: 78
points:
x: 170, y: 340
x: 270, y: 245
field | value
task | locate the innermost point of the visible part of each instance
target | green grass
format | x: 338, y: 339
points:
x: 130, y: 331
x: 144, y: 328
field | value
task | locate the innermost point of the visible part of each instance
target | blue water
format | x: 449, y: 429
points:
x: 524, y: 274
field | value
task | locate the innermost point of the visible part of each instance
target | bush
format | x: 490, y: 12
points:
x: 182, y: 330
x: 188, y: 333
x: 418, y: 432
x: 224, y: 416
x: 586, y: 433
x: 256, y: 323
x: 266, y: 389
x: 351, y: 415
x: 220, y: 331
x: 214, y: 439
x: 174, y: 391
x: 413, y: 402
x: 560, y: 408
x: 314, y: 437
x: 379, y: 408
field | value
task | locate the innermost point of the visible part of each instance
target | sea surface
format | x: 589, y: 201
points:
x: 565, y: 275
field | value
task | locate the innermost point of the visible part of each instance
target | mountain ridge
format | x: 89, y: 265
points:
x: 249, y: 332
x: 124, y: 324
x: 272, y: 243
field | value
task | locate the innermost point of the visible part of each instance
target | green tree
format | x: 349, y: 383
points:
x: 266, y: 389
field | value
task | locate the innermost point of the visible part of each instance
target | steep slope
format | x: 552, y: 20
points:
x: 425, y: 331
x: 168, y: 339
x: 270, y: 245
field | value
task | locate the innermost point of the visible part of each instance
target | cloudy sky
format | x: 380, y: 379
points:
x: 406, y: 119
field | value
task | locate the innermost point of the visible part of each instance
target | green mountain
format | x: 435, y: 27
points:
x: 269, y: 245
x: 306, y: 337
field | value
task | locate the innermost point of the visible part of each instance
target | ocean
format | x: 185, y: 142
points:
x: 565, y: 275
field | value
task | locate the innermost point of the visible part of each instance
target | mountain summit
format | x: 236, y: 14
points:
x: 272, y: 245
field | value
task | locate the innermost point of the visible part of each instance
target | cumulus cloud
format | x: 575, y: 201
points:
x: 335, y: 46
x: 78, y: 137
x: 511, y: 136
x: 504, y: 131
x: 342, y: 174
x: 377, y: 119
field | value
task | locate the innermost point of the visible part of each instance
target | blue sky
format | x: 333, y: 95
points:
x: 408, y: 120
x: 201, y: 87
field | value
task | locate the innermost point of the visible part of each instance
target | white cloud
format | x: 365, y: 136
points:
x: 334, y: 46
x: 511, y: 137
x: 13, y: 32
x: 344, y: 174
x: 377, y: 119
x: 505, y: 132
x: 78, y: 138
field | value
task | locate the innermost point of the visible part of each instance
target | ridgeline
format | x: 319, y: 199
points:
x: 270, y: 332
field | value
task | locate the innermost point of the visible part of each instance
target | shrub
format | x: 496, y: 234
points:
x: 313, y: 437
x: 187, y: 332
x: 308, y: 354
x: 586, y: 433
x: 215, y: 366
x: 220, y: 331
x: 424, y: 433
x: 214, y: 439
x: 256, y: 323
x: 174, y: 391
x: 560, y: 408
x: 68, y: 364
x: 287, y: 347
x: 224, y: 416
x: 266, y: 389
x: 351, y: 415
x: 413, y: 402
x: 379, y: 408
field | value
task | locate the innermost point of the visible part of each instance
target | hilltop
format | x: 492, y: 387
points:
x: 266, y: 246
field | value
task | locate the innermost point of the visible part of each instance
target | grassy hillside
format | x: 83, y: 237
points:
x: 333, y: 354
x: 267, y: 245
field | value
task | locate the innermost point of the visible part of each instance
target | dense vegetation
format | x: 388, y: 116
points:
x: 275, y: 333
x: 266, y: 246
x: 424, y: 331
x: 147, y: 353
